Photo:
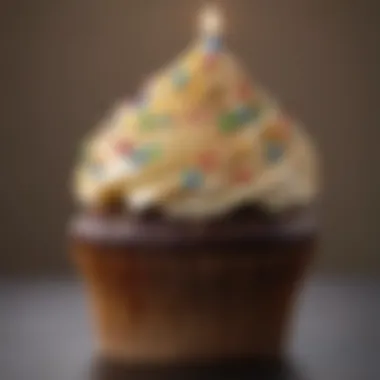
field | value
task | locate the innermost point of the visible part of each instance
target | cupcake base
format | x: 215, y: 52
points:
x: 206, y: 303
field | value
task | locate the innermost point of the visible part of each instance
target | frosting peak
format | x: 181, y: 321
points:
x: 200, y: 139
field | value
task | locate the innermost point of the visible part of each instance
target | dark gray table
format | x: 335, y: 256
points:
x: 44, y: 335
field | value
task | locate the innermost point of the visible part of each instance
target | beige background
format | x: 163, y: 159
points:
x: 64, y: 62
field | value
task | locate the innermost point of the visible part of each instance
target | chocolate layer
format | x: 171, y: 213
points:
x: 243, y: 228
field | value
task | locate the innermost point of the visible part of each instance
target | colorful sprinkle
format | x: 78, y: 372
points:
x: 244, y: 114
x: 149, y: 121
x: 124, y: 147
x: 242, y: 176
x: 227, y: 122
x: 213, y: 44
x: 146, y: 154
x: 237, y: 118
x: 210, y: 61
x: 278, y: 130
x: 248, y: 114
x: 208, y: 161
x: 274, y: 151
x: 191, y: 179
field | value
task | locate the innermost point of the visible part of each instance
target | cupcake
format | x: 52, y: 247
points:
x: 196, y: 219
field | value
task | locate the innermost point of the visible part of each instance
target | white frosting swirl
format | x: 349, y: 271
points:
x: 201, y: 140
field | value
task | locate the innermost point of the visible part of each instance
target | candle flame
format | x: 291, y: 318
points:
x: 211, y: 20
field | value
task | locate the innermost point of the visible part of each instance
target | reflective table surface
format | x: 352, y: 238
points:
x: 45, y: 334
